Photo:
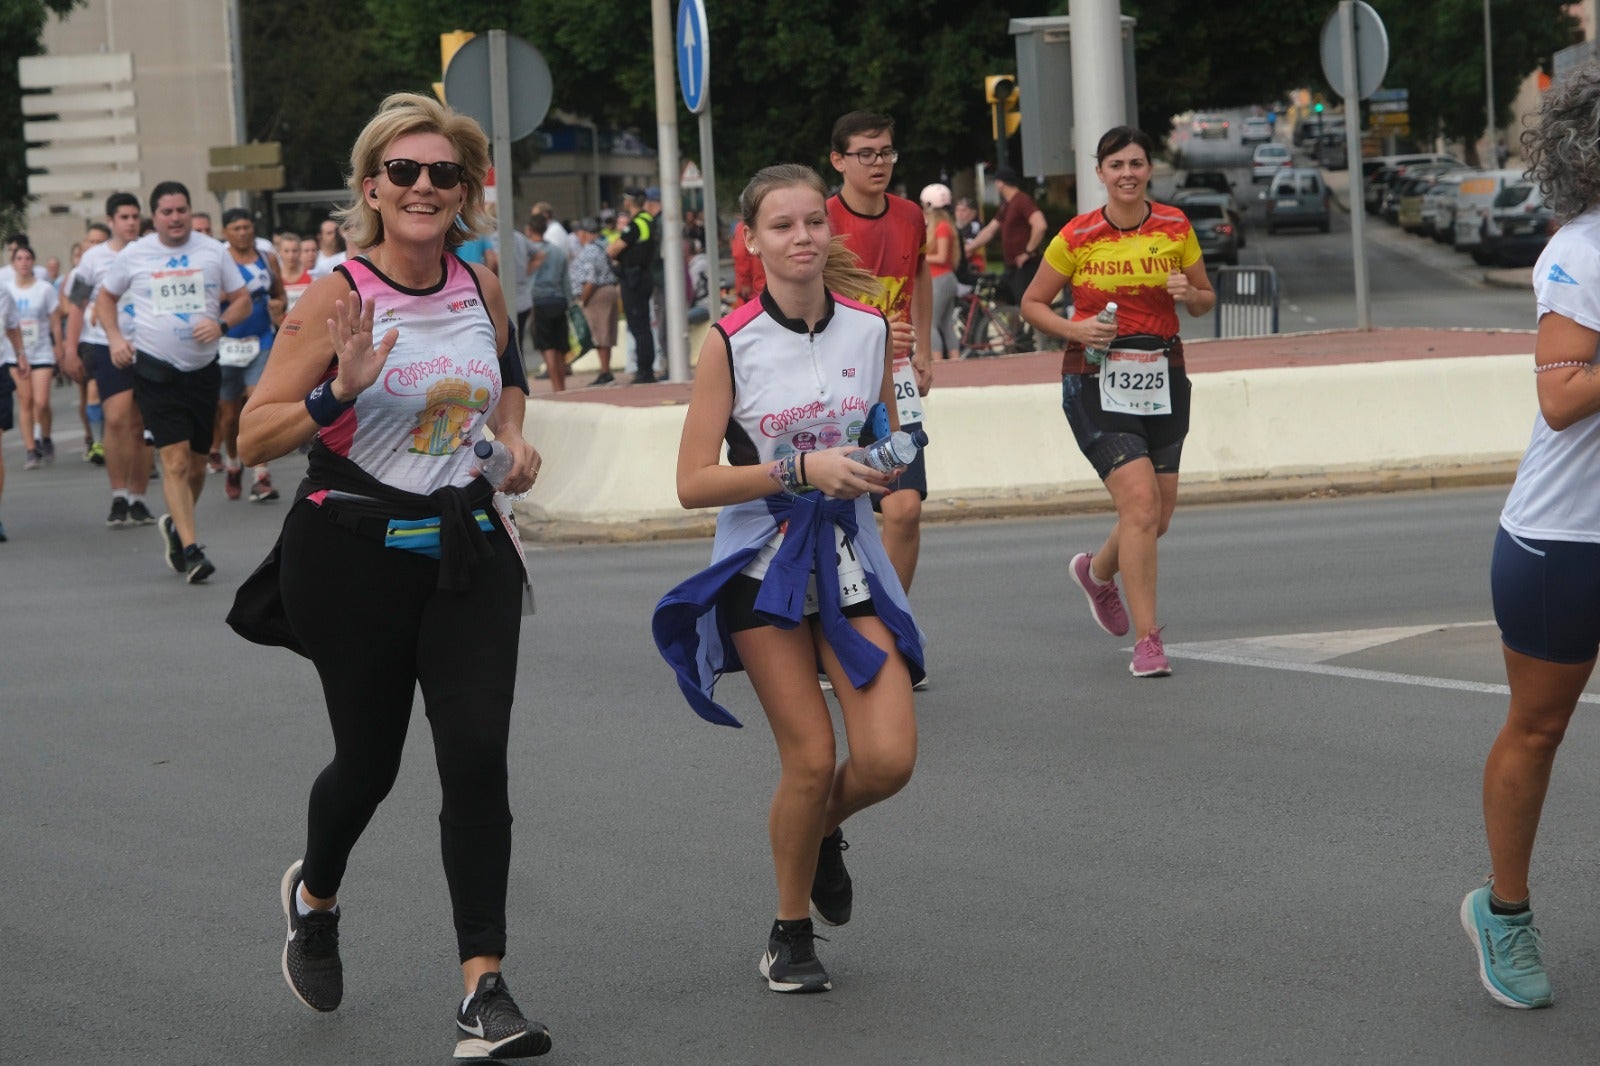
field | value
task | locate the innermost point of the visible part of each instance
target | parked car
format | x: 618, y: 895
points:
x: 1389, y: 203
x: 1408, y: 210
x: 1439, y: 205
x: 1267, y: 160
x: 1216, y: 224
x: 1377, y: 170
x: 1298, y: 197
x: 1523, y: 225
x: 1474, y: 201
x: 1255, y: 130
x: 1209, y: 125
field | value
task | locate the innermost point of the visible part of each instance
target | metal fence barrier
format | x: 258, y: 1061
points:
x: 1247, y: 301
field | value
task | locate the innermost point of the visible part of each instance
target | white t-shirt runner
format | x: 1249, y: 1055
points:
x: 1557, y: 493
x: 8, y: 321
x: 35, y: 304
x: 173, y: 290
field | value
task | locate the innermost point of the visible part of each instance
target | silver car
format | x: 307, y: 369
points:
x: 1268, y: 159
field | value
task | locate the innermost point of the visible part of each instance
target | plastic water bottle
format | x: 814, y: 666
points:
x: 1107, y: 316
x: 897, y: 449
x: 494, y: 459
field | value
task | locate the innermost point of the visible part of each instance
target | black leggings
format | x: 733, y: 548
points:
x: 376, y: 626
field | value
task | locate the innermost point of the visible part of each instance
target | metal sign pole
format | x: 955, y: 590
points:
x: 1352, y: 145
x: 676, y: 312
x: 713, y: 227
x: 504, y: 182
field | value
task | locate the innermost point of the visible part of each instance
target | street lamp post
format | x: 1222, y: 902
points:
x: 1488, y: 79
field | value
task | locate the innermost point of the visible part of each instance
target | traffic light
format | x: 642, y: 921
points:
x: 1000, y: 90
x: 1317, y: 107
x: 449, y: 44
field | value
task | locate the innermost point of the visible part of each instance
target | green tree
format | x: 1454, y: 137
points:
x: 1218, y: 53
x: 780, y: 73
x: 1436, y: 53
x: 21, y: 26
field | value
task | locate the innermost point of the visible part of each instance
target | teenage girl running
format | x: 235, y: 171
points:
x: 799, y: 575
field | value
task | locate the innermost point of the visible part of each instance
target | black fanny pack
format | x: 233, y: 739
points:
x: 1144, y: 342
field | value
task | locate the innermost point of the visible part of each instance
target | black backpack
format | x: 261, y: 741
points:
x: 962, y: 266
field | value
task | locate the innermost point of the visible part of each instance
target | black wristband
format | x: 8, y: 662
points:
x: 323, y: 406
x: 803, y: 480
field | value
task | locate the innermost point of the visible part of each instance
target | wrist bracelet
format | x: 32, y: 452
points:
x: 323, y: 406
x: 803, y: 480
x: 1556, y: 366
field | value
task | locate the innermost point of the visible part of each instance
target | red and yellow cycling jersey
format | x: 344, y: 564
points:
x: 889, y: 245
x: 1103, y: 263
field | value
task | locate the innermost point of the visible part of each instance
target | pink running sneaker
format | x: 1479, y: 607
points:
x: 1149, y: 657
x: 1104, y: 601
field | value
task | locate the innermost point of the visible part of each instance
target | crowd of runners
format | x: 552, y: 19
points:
x: 200, y: 354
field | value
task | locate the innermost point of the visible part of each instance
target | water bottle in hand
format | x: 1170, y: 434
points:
x: 1107, y: 316
x: 494, y: 461
x: 897, y: 449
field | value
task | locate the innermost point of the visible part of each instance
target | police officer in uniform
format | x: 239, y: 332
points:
x: 637, y: 252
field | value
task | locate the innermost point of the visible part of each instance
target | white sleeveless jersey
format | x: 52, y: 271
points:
x: 797, y: 391
x: 414, y: 427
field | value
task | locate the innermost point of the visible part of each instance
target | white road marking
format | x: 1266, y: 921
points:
x: 1307, y: 653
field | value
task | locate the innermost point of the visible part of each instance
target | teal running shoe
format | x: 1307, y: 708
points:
x: 1509, y: 950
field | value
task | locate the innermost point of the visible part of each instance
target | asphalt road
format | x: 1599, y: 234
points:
x: 1412, y: 281
x: 1244, y: 863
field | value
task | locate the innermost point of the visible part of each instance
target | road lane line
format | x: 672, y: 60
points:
x: 1355, y: 674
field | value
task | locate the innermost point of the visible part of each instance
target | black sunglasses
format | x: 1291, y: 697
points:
x: 442, y: 175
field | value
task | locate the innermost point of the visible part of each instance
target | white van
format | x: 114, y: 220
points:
x: 1474, y: 198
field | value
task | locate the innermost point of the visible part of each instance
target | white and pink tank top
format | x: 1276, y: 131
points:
x: 414, y: 427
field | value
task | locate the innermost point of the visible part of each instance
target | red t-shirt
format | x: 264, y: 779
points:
x: 890, y: 246
x: 1014, y: 228
x: 948, y: 232
x: 1103, y: 263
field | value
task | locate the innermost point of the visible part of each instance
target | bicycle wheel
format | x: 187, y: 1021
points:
x: 979, y: 335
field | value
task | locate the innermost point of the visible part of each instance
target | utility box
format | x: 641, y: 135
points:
x: 1044, y: 79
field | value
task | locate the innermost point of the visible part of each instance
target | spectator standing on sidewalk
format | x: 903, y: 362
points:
x: 551, y: 331
x: 1021, y: 226
x: 594, y: 287
x: 1545, y: 571
x: 637, y: 252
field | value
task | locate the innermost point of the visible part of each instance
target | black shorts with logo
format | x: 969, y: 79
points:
x: 177, y: 405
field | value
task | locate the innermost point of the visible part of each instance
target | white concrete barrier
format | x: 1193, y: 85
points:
x: 617, y: 465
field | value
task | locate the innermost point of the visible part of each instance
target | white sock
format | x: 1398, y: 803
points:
x: 120, y: 494
x: 303, y: 908
x: 1090, y: 571
x: 464, y: 1003
x: 133, y: 499
x: 232, y: 462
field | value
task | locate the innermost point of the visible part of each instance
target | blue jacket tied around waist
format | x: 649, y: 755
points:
x: 693, y: 638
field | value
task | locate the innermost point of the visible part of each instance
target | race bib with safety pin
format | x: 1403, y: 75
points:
x: 1136, y: 383
x: 238, y: 351
x: 178, y: 292
x: 30, y: 334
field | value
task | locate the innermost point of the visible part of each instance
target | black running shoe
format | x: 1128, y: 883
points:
x: 139, y: 514
x: 491, y: 1026
x: 171, y: 542
x: 311, y: 953
x: 118, y: 518
x: 196, y: 567
x: 790, y: 963
x: 831, y: 889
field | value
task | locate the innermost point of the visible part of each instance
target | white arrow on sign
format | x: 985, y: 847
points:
x: 692, y: 46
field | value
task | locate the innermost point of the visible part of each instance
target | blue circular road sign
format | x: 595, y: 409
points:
x: 694, y: 55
